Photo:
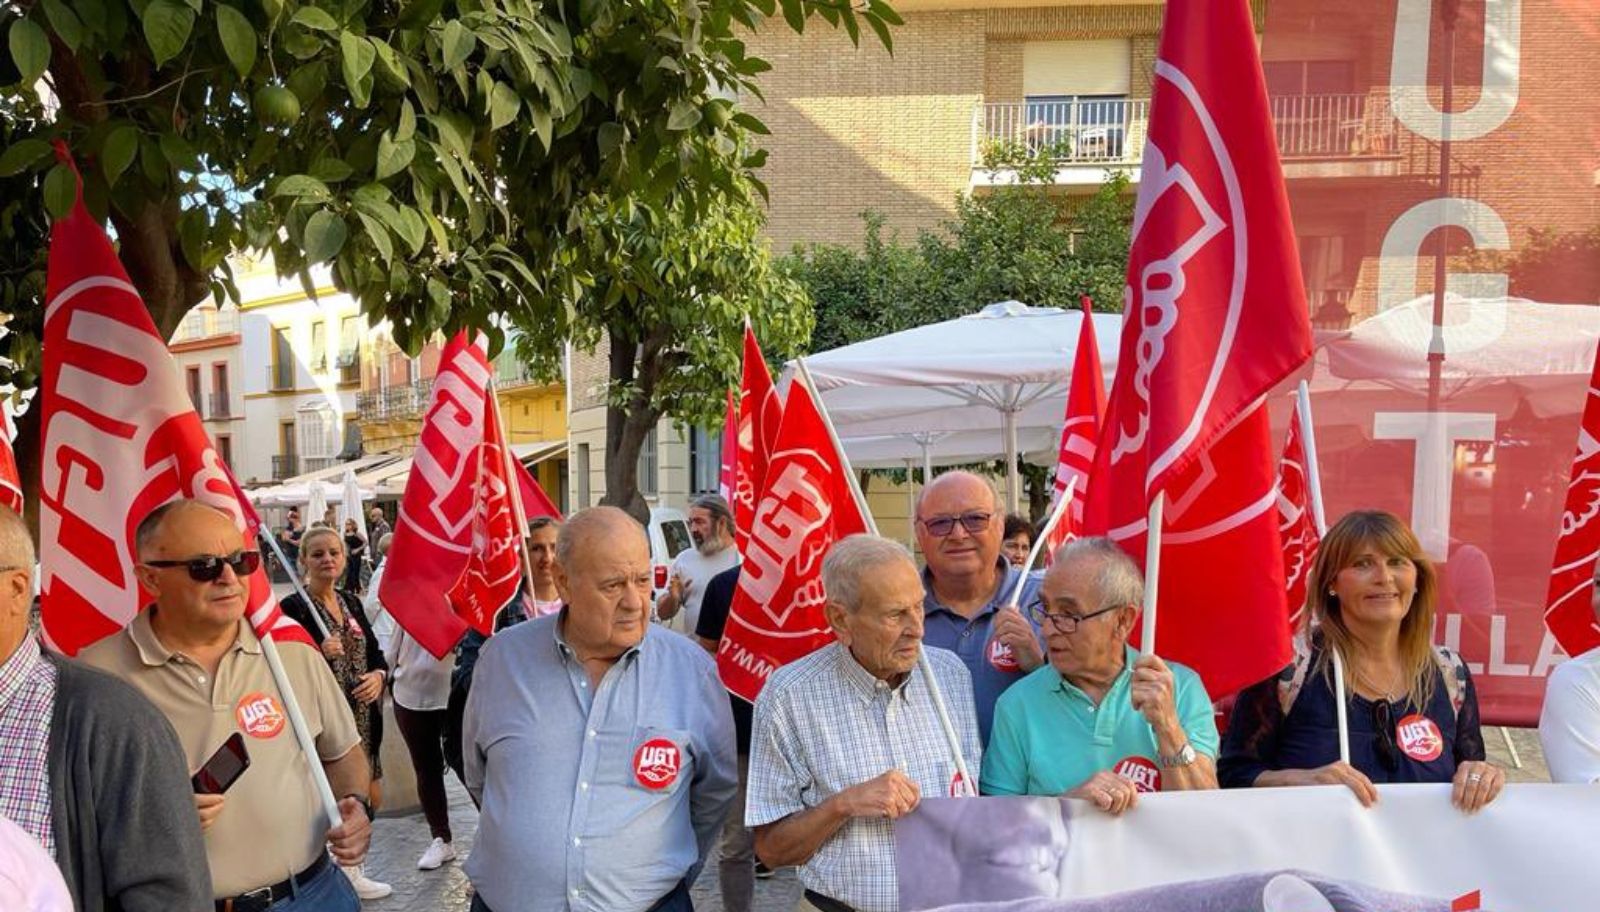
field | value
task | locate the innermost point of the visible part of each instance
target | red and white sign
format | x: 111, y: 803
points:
x: 489, y: 580
x: 656, y: 763
x: 1568, y: 611
x: 1080, y: 429
x: 1419, y: 738
x: 1002, y: 657
x: 433, y: 536
x: 760, y: 413
x: 259, y: 715
x: 10, y: 478
x: 1215, y: 316
x: 1141, y: 771
x: 120, y: 437
x: 777, y: 612
x: 1297, y: 526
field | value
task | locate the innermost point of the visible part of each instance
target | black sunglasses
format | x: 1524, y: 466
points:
x: 208, y: 568
x: 1383, y: 736
x: 973, y: 522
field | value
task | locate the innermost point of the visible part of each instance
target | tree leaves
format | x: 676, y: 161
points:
x: 325, y: 236
x: 456, y: 44
x: 68, y: 27
x: 167, y: 24
x: 504, y: 103
x: 313, y: 18
x: 117, y: 153
x: 238, y: 37
x: 356, y: 55
x: 21, y: 155
x: 30, y: 50
x: 685, y: 114
x: 393, y: 157
x: 60, y: 191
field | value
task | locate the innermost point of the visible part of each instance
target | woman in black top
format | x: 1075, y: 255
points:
x: 355, y: 552
x: 1411, y: 708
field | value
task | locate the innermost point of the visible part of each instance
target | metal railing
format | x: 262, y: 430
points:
x: 280, y: 376
x: 510, y: 372
x: 317, y: 463
x: 403, y: 400
x: 205, y: 323
x: 286, y: 465
x: 1113, y: 132
x: 221, y: 405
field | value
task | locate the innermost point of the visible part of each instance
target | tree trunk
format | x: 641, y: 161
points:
x: 1039, y: 487
x: 627, y: 427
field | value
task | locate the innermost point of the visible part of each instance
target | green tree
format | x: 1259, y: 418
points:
x: 436, y: 154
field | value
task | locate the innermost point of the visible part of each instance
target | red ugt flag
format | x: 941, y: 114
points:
x: 777, y: 612
x: 1568, y: 613
x: 1297, y: 526
x: 1086, y: 404
x: 759, y: 415
x: 119, y: 438
x: 1215, y: 316
x: 434, y: 532
x: 10, y: 478
x: 490, y: 578
x: 535, y: 502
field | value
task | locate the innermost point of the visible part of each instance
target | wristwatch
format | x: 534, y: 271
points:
x: 366, y: 805
x: 1183, y: 757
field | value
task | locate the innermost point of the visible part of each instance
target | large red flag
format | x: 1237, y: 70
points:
x: 760, y: 413
x: 1568, y: 611
x: 119, y: 438
x: 493, y: 570
x: 1297, y: 526
x: 777, y: 612
x: 434, y: 532
x: 1215, y: 316
x: 535, y: 502
x: 10, y: 478
x: 1080, y: 428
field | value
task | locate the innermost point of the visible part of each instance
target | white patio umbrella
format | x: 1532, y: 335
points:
x: 1003, y: 371
x: 316, y: 504
x: 350, y: 503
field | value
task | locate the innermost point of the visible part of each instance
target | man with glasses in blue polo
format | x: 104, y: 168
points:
x: 967, y: 583
x: 1099, y: 722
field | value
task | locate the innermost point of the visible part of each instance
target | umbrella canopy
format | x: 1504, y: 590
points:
x: 316, y: 504
x: 1003, y: 371
x: 350, y: 504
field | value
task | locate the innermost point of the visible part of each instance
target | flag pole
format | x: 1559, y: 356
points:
x: 1062, y: 504
x: 302, y: 732
x: 1152, y: 573
x: 1308, y: 443
x: 264, y: 534
x: 518, y: 511
x: 939, y: 707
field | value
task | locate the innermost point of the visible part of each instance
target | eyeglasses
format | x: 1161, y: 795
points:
x: 1063, y: 621
x: 209, y: 568
x: 1387, y: 748
x: 974, y: 522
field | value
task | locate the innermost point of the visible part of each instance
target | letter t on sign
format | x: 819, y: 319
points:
x: 1433, y: 469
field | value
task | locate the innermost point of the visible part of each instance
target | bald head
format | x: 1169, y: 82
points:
x: 153, y: 529
x: 595, y: 527
x: 16, y: 545
x: 602, y: 573
x: 963, y: 484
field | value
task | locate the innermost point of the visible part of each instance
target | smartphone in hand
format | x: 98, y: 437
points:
x: 225, y: 766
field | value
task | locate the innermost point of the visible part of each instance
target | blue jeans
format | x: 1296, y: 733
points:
x: 329, y: 891
x: 676, y: 901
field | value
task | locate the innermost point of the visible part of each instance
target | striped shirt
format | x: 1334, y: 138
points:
x: 27, y: 699
x: 824, y: 724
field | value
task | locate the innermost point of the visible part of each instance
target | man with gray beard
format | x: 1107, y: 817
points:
x: 711, y: 527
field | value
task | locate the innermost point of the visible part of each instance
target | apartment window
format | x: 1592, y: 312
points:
x: 318, y: 428
x: 319, y: 347
x: 286, y: 463
x: 349, y: 362
x: 1309, y: 77
x: 282, y: 369
x: 191, y: 380
x: 225, y: 450
x: 221, y: 403
x: 351, y: 448
x: 583, y: 476
x: 649, y: 466
x: 705, y: 461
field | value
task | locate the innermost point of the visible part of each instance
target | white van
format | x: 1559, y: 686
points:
x: 669, y: 535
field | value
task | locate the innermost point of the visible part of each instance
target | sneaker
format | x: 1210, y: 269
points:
x: 366, y: 887
x: 438, y: 853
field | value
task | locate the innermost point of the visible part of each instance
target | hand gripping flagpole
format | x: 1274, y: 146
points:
x: 1308, y: 443
x: 939, y: 707
x: 1062, y: 504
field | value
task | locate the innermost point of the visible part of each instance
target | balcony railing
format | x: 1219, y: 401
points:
x: 317, y: 463
x: 510, y: 372
x: 404, y: 400
x: 1112, y: 132
x: 221, y: 407
x: 280, y: 376
x: 206, y: 323
x: 285, y: 465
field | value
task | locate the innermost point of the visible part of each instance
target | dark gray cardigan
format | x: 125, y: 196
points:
x: 121, y: 805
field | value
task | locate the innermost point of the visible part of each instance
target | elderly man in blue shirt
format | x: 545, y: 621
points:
x: 959, y: 527
x: 847, y: 739
x: 599, y: 748
x: 1100, y: 722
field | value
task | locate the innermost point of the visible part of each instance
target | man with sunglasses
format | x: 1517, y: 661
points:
x: 1100, y: 722
x: 967, y: 584
x: 89, y: 768
x: 194, y: 655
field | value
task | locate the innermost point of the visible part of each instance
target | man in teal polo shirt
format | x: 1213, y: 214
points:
x: 1099, y: 722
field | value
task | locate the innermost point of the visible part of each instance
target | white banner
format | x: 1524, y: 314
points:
x: 1261, y: 850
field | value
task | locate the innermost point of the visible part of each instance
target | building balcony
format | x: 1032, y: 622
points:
x: 317, y: 463
x: 285, y: 465
x: 1318, y: 136
x: 204, y: 323
x: 221, y: 406
x: 390, y: 403
x: 280, y: 377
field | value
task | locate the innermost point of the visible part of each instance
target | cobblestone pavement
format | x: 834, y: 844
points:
x: 398, y: 842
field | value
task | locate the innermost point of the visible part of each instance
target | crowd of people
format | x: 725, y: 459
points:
x: 607, y: 762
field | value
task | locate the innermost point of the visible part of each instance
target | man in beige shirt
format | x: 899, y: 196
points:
x: 195, y: 657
